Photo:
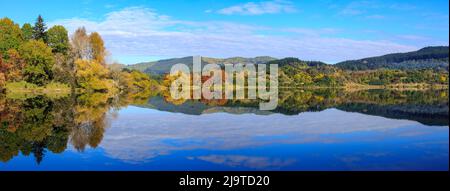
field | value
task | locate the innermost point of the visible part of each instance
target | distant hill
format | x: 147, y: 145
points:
x: 164, y: 66
x: 425, y: 58
x: 295, y: 61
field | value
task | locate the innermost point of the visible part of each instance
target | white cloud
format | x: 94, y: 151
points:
x: 138, y: 31
x: 141, y: 137
x: 266, y: 7
x: 247, y: 161
x: 129, y: 21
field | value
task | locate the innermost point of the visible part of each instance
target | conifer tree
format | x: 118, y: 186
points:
x: 39, y: 29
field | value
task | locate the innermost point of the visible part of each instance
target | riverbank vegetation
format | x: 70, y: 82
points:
x: 34, y: 59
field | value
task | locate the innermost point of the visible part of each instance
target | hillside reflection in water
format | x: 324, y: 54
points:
x: 310, y: 130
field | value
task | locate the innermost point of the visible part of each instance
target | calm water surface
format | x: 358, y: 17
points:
x: 375, y: 130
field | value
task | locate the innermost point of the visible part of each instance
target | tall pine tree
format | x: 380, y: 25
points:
x: 39, y: 29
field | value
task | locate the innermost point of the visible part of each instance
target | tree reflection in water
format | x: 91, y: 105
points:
x: 35, y: 124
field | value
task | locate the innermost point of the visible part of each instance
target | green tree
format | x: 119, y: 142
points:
x: 58, y: 39
x: 39, y: 29
x: 10, y: 35
x: 39, y: 62
x: 27, y: 31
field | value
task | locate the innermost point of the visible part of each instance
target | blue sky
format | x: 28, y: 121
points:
x: 326, y: 30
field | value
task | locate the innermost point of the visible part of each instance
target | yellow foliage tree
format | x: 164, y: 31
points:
x: 98, y: 47
x: 136, y: 81
x: 92, y: 76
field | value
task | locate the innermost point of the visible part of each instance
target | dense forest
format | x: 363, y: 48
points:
x: 425, y: 58
x: 34, y: 58
x: 295, y: 72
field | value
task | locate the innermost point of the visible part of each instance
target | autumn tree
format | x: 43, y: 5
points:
x: 2, y: 80
x: 57, y: 39
x: 2, y: 75
x: 115, y: 70
x: 98, y: 47
x: 4, y: 67
x: 81, y: 48
x: 63, y: 69
x: 39, y: 30
x: 10, y: 35
x: 92, y: 76
x: 27, y: 31
x: 13, y: 65
x: 302, y: 78
x: 141, y: 81
x: 39, y: 62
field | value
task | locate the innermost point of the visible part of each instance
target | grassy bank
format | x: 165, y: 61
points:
x: 19, y: 89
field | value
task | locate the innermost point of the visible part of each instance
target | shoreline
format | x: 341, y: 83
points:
x: 359, y: 87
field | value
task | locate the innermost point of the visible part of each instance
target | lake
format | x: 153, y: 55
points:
x: 321, y: 129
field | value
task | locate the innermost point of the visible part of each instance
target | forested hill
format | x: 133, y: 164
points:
x: 295, y: 61
x: 425, y: 58
x: 164, y: 66
x: 435, y: 58
x: 428, y: 66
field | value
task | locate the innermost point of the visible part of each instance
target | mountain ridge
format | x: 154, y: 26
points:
x: 431, y: 57
x: 163, y: 66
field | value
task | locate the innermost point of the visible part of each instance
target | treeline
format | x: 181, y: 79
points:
x: 295, y: 73
x: 425, y: 58
x: 33, y: 56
